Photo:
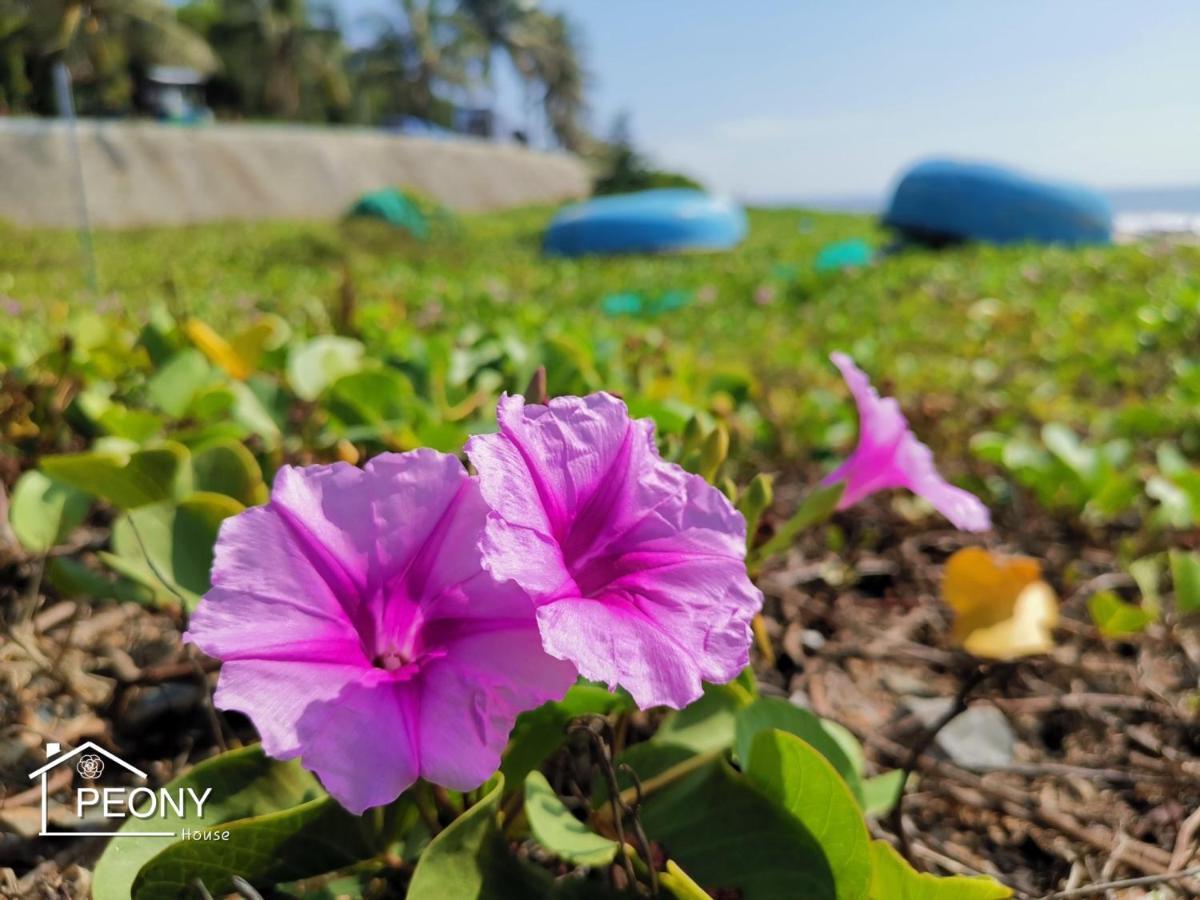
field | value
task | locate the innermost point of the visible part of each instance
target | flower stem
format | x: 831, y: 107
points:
x: 962, y: 699
x: 663, y: 779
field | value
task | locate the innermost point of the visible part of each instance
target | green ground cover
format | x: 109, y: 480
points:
x: 1061, y: 386
x: 984, y: 347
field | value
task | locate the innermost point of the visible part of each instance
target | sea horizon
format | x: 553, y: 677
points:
x: 1162, y: 199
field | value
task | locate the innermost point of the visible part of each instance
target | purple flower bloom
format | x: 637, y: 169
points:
x: 889, y: 455
x: 358, y: 630
x: 636, y: 566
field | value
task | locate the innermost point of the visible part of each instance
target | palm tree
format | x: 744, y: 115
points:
x: 104, y: 43
x: 410, y: 69
x: 559, y: 73
x: 279, y: 60
x: 543, y: 50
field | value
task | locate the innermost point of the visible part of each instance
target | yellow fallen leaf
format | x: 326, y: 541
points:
x: 219, y: 351
x: 250, y: 343
x: 1002, y: 607
x: 240, y: 355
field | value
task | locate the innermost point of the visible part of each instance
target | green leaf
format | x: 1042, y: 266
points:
x: 251, y: 413
x: 310, y: 839
x: 1115, y: 618
x: 755, y: 500
x: 1185, y: 572
x: 727, y: 835
x: 71, y: 578
x: 848, y: 742
x: 127, y: 481
x: 314, y: 365
x: 556, y: 829
x: 881, y: 792
x: 816, y: 508
x: 43, y: 512
x: 802, y: 781
x: 371, y: 397
x: 1147, y: 573
x: 244, y: 783
x: 136, y: 425
x: 713, y: 453
x: 894, y: 879
x: 770, y: 713
x: 171, y: 541
x: 469, y: 859
x: 539, y: 732
x: 710, y: 722
x: 174, y: 385
x: 1064, y: 444
x: 227, y: 467
x: 680, y: 884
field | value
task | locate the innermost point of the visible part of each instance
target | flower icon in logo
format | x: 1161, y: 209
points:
x: 90, y: 766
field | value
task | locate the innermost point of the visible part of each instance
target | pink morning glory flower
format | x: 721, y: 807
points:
x: 636, y: 566
x: 358, y: 630
x: 889, y: 455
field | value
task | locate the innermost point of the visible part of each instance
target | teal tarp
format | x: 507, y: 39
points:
x: 394, y: 207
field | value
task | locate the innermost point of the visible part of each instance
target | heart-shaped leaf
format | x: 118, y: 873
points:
x: 127, y: 481
x: 802, y: 781
x: 894, y: 879
x: 42, y: 511
x: 728, y: 835
x: 1185, y: 572
x: 556, y: 829
x: 768, y: 713
x: 171, y: 542
x: 710, y: 722
x: 314, y: 365
x: 1115, y: 618
x: 470, y: 859
x: 310, y: 839
x: 243, y: 783
x: 227, y: 467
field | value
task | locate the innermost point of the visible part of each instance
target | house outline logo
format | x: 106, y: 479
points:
x: 93, y: 769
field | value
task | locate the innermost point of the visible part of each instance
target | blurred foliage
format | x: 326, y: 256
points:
x: 621, y: 169
x: 107, y: 46
x: 1039, y: 376
x: 288, y: 59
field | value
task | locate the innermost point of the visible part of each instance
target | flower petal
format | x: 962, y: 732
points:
x: 262, y: 575
x: 888, y: 455
x: 964, y: 510
x: 637, y: 567
x: 274, y: 693
x: 880, y: 421
x: 362, y: 742
x: 562, y: 451
x: 329, y: 509
x: 470, y: 700
x: 621, y: 648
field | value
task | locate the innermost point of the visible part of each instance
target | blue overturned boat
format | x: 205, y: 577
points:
x: 943, y: 201
x: 665, y: 220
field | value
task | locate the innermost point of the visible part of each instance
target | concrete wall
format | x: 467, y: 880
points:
x: 143, y: 173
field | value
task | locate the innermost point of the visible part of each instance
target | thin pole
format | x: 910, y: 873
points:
x: 66, y: 109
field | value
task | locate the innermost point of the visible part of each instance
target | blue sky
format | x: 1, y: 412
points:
x: 776, y: 98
